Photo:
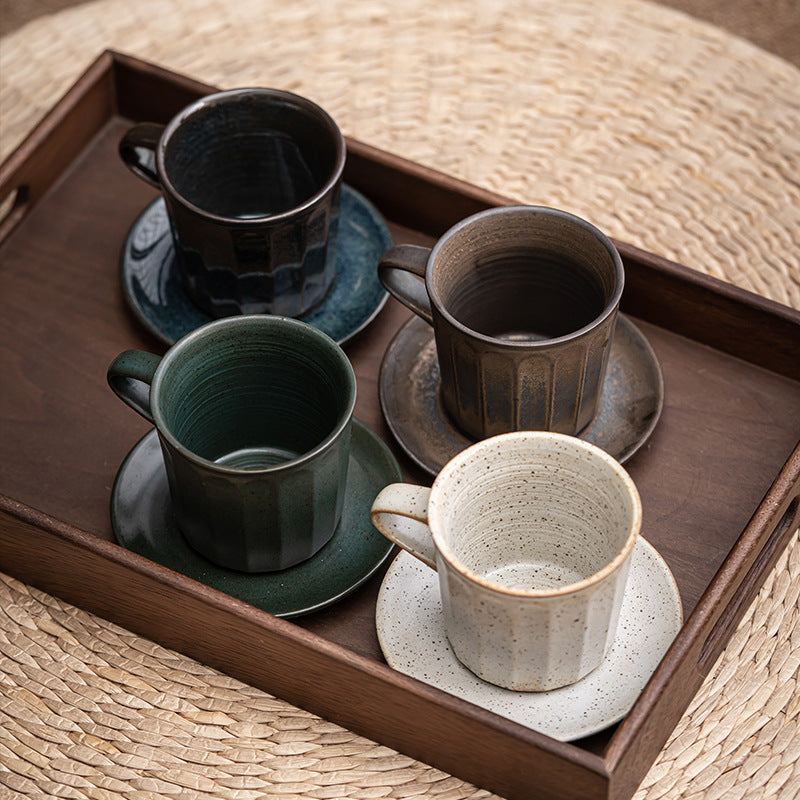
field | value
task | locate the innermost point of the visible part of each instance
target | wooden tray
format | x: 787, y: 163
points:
x: 719, y: 478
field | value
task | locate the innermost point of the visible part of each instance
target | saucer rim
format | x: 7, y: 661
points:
x: 372, y: 442
x: 418, y: 458
x: 153, y: 329
x: 578, y: 731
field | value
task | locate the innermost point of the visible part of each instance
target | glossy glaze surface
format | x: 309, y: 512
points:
x: 254, y: 416
x: 154, y: 292
x: 141, y: 513
x: 251, y: 179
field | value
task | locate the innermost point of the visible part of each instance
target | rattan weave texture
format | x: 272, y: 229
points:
x: 663, y: 131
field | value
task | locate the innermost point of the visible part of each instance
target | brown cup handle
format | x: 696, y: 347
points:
x: 137, y: 148
x: 396, y: 271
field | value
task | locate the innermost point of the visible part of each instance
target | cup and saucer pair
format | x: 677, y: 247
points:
x: 411, y: 632
x: 153, y: 290
x: 409, y: 616
x: 631, y: 402
x: 142, y: 520
x: 141, y: 510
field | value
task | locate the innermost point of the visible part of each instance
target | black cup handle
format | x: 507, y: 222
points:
x: 395, y: 271
x: 137, y: 149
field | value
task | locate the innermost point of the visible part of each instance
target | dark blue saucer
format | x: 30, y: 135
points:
x: 154, y: 292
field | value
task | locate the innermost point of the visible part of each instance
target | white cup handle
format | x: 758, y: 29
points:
x: 400, y: 513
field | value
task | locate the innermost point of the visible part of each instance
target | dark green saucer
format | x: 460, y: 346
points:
x: 153, y: 289
x: 141, y: 515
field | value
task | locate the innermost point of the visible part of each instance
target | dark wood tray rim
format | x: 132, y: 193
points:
x: 257, y: 648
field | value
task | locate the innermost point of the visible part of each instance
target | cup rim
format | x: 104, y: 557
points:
x: 609, y: 308
x: 271, y: 321
x: 435, y: 522
x: 303, y: 103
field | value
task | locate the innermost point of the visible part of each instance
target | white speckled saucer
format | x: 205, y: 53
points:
x: 412, y: 636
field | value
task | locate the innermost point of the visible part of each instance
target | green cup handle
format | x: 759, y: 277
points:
x: 137, y: 148
x: 130, y: 376
x: 399, y: 270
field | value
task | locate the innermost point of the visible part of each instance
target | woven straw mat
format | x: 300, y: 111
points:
x: 663, y: 131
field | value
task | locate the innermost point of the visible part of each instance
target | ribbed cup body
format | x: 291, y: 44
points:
x: 529, y: 644
x: 524, y: 302
x: 252, y: 184
x: 283, y: 267
x: 533, y: 534
x: 254, y: 417
x: 491, y: 388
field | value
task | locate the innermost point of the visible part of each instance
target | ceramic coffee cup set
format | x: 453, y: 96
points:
x: 524, y: 583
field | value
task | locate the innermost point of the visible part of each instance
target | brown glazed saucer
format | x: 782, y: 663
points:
x: 633, y: 396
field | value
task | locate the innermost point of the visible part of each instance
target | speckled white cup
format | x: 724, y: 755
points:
x: 531, y: 534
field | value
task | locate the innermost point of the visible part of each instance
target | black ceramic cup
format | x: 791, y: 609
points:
x: 252, y: 182
x: 523, y: 301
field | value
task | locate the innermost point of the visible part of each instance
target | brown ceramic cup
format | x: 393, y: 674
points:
x: 523, y: 301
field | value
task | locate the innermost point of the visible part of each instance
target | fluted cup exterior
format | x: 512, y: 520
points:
x: 531, y: 534
x: 527, y: 643
x: 489, y: 388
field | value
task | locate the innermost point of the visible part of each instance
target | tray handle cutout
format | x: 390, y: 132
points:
x: 749, y: 586
x: 12, y: 210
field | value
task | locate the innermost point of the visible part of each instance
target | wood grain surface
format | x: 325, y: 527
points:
x: 719, y: 495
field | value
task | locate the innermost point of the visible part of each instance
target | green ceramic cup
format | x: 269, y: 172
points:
x: 254, y: 416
